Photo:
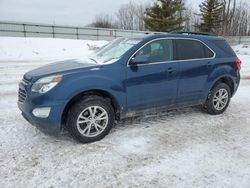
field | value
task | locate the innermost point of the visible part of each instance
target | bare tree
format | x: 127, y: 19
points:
x: 130, y: 16
x: 240, y: 21
x: 140, y: 10
x: 192, y: 19
x: 126, y: 16
x: 228, y: 15
x: 103, y: 21
x: 236, y: 18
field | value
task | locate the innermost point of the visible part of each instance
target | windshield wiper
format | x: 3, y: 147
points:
x: 94, y: 60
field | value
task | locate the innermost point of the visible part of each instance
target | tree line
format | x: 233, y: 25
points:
x: 223, y: 17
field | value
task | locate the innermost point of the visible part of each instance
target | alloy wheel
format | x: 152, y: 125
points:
x: 92, y: 121
x: 220, y: 99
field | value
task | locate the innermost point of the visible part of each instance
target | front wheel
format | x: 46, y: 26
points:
x: 218, y: 99
x: 90, y: 119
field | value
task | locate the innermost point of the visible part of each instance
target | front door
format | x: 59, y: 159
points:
x: 154, y: 83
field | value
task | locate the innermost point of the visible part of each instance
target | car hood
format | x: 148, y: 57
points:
x: 58, y: 68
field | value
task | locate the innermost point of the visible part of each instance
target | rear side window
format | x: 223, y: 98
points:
x: 191, y: 49
x: 224, y: 46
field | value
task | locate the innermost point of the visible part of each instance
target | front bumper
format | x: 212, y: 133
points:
x: 52, y: 123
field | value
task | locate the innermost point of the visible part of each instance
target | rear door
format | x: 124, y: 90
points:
x: 196, y: 61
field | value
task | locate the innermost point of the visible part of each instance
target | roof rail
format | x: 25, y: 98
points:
x: 154, y: 33
x: 193, y: 33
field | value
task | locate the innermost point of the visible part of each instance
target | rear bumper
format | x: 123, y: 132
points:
x: 236, y: 83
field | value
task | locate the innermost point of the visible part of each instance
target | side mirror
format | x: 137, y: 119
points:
x: 140, y: 59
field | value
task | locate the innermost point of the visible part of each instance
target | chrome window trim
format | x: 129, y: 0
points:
x: 171, y: 38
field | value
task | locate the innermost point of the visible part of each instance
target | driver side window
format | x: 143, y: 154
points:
x: 158, y: 51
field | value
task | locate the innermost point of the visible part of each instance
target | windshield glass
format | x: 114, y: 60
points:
x: 113, y: 50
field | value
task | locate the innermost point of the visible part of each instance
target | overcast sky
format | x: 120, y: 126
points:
x: 61, y: 12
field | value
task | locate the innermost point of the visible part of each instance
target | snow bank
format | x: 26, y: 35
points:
x: 242, y: 49
x: 37, y: 49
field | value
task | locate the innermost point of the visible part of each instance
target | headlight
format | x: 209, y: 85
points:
x: 45, y: 84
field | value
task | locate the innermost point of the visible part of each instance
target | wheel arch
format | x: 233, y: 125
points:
x: 94, y: 92
x: 224, y: 79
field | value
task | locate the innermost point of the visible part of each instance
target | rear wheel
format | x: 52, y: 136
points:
x: 90, y: 119
x: 218, y: 99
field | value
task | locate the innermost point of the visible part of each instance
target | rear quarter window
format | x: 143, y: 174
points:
x: 224, y: 46
x: 191, y: 49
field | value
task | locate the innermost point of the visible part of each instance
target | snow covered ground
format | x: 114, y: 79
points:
x: 37, y: 49
x: 180, y: 148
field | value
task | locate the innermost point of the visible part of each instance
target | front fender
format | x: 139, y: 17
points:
x: 108, y: 80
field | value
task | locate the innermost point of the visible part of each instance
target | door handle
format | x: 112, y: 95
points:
x: 170, y: 70
x: 209, y: 64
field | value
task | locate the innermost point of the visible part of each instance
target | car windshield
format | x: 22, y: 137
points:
x: 113, y: 50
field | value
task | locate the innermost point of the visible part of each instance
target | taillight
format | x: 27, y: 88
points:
x: 238, y: 64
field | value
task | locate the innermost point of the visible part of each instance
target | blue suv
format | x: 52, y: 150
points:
x: 128, y: 76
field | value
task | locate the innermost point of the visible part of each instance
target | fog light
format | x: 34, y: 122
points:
x: 41, y: 112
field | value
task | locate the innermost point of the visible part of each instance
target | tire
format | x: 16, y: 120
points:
x: 88, y: 116
x: 216, y: 103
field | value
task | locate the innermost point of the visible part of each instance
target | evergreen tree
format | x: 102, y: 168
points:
x: 211, y: 16
x: 165, y: 16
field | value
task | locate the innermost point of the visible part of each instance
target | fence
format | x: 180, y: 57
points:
x: 233, y: 40
x: 51, y: 31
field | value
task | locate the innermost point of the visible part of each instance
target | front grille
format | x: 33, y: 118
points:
x: 25, y: 81
x: 21, y: 95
